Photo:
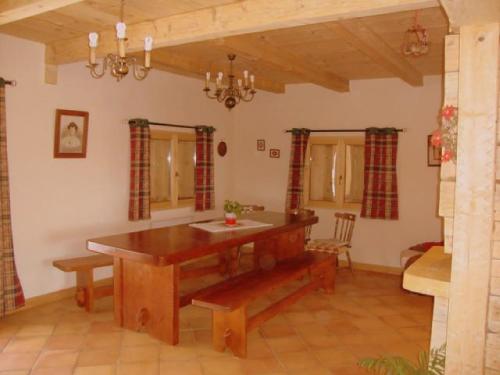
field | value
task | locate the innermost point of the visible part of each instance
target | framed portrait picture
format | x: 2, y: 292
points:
x: 261, y: 145
x: 274, y: 153
x: 433, y: 154
x: 70, y: 135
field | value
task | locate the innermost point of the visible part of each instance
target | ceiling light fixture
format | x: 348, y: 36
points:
x: 416, y: 40
x: 232, y: 94
x: 119, y: 64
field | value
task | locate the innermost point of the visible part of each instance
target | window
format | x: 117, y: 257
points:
x: 334, y: 172
x: 173, y: 157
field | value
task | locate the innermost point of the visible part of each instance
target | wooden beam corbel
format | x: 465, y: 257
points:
x: 360, y: 36
x: 15, y: 10
x: 50, y: 66
x: 262, y: 50
x: 242, y: 17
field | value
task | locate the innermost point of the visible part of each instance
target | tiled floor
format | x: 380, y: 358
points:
x: 367, y: 315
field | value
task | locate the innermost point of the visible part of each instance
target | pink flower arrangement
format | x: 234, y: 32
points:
x: 446, y: 135
x: 448, y: 112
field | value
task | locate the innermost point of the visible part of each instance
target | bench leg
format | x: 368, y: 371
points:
x: 329, y: 277
x: 85, y: 289
x: 229, y: 329
x: 326, y: 273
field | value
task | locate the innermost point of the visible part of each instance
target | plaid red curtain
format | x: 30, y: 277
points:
x: 11, y: 292
x: 380, y: 194
x: 138, y: 208
x: 204, y: 173
x: 300, y: 137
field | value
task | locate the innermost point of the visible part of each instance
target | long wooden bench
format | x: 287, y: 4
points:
x: 229, y: 300
x: 84, y: 267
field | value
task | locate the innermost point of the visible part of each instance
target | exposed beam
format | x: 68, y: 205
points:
x: 233, y: 19
x: 469, y: 12
x: 261, y: 49
x: 360, y: 36
x: 176, y: 63
x: 15, y: 10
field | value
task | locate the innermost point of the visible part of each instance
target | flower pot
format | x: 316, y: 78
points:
x: 230, y: 218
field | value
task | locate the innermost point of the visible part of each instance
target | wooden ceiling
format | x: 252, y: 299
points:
x: 329, y: 54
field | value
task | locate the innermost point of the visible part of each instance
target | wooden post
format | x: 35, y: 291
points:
x: 474, y: 197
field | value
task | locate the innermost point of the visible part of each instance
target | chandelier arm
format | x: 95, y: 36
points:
x: 207, y: 92
x: 248, y: 98
x: 93, y: 68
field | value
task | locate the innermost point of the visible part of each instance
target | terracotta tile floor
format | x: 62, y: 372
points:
x: 322, y: 334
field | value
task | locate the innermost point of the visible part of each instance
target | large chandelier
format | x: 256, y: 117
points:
x: 416, y: 40
x: 119, y: 64
x: 232, y: 94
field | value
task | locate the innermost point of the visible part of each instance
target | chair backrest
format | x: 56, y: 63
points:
x: 344, y: 225
x: 307, y: 212
x: 245, y: 208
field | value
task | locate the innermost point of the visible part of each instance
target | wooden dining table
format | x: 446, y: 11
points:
x: 147, y: 264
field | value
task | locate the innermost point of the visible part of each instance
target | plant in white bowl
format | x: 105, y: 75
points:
x: 232, y: 210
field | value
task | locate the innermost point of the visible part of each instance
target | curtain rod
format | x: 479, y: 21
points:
x: 144, y: 121
x: 342, y: 130
x: 9, y: 82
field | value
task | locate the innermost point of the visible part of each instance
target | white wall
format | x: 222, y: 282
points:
x: 383, y: 102
x: 57, y: 204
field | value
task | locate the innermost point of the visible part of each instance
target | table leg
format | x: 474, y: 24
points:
x: 282, y: 246
x: 147, y: 299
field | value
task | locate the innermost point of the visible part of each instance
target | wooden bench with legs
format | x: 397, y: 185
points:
x: 86, y: 292
x: 229, y: 300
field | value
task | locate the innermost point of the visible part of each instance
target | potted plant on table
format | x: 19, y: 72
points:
x: 232, y: 210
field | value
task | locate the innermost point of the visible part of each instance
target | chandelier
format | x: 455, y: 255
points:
x: 232, y: 94
x: 119, y: 64
x: 416, y: 40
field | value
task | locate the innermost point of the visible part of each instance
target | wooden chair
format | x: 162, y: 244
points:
x: 246, y: 208
x: 306, y: 212
x: 341, y: 241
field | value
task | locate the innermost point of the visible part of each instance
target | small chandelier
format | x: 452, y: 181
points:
x: 119, y: 64
x: 416, y: 40
x: 232, y: 94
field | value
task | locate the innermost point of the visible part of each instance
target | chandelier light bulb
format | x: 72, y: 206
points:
x: 220, y: 75
x: 121, y: 30
x: 148, y: 43
x: 93, y: 40
x: 208, y: 76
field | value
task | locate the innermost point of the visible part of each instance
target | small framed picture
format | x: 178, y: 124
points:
x: 261, y: 145
x: 70, y: 136
x: 433, y: 154
x: 274, y: 153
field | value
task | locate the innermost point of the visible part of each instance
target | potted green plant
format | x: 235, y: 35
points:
x: 426, y: 365
x: 232, y: 210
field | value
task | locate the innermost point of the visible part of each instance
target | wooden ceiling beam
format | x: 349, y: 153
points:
x: 176, y: 63
x: 242, y: 17
x: 15, y: 10
x: 360, y: 36
x: 261, y: 50
x: 469, y: 12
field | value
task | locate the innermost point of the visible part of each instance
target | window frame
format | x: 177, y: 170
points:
x: 174, y: 138
x: 341, y: 143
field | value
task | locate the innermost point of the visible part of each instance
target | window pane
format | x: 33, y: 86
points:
x: 322, y: 183
x: 186, y: 164
x: 354, y: 170
x: 160, y: 152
